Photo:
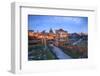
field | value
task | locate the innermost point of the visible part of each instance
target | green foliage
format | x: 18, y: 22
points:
x: 74, y: 51
x: 40, y: 53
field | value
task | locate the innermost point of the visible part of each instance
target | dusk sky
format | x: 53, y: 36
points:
x: 71, y: 24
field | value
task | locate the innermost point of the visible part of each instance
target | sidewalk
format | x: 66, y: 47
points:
x: 59, y: 53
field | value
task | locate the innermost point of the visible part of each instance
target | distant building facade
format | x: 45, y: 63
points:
x: 61, y: 37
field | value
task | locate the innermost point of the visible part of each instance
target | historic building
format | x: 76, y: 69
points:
x: 61, y: 37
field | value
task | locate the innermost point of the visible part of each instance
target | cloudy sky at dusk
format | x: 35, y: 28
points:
x: 68, y: 23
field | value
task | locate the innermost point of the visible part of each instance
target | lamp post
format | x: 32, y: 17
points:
x: 43, y: 39
x: 45, y: 45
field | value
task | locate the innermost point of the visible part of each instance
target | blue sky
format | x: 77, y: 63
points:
x: 71, y: 24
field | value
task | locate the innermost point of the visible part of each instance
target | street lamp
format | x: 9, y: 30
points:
x: 45, y: 45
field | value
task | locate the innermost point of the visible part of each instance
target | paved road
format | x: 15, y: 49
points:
x: 59, y: 53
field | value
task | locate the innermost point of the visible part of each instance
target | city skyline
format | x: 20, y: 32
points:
x: 68, y: 23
